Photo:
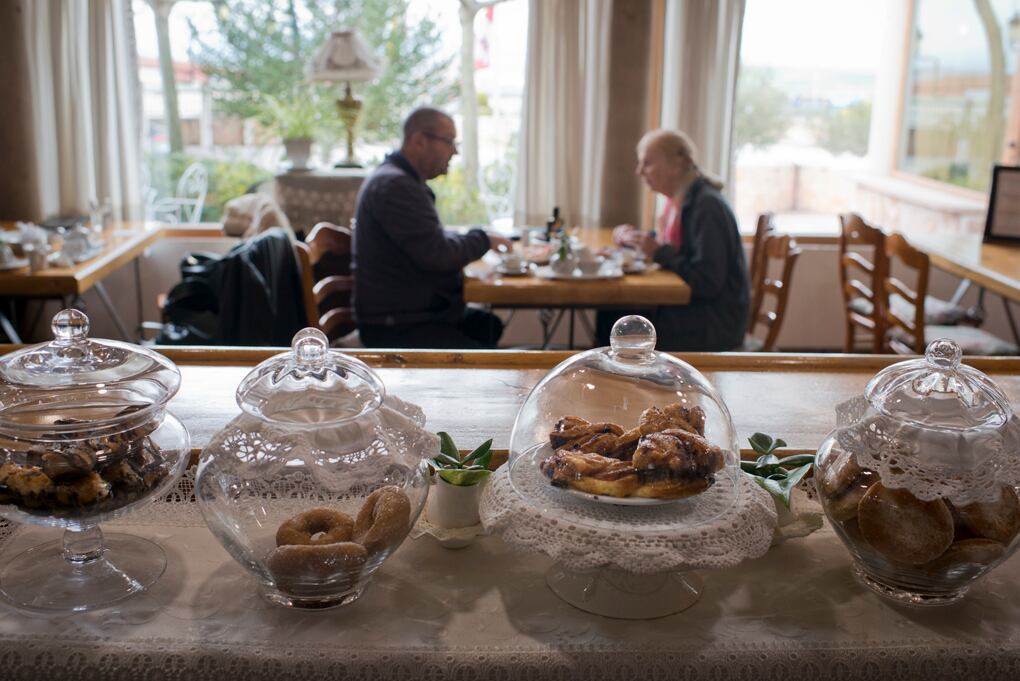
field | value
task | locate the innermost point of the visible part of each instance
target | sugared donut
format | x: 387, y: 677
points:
x: 304, y: 567
x: 998, y: 520
x: 383, y: 520
x: 316, y: 527
x: 902, y: 527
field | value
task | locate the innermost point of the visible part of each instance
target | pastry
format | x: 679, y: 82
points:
x: 999, y: 520
x: 968, y: 553
x: 316, y: 526
x: 904, y: 528
x: 384, y: 519
x: 843, y: 485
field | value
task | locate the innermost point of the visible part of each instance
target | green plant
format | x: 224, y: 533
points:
x: 295, y: 116
x: 777, y: 476
x: 462, y: 471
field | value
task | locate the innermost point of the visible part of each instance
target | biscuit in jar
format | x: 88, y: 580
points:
x: 902, y: 527
x: 998, y: 520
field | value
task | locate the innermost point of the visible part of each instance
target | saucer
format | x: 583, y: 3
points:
x: 607, y: 272
x: 636, y: 267
x: 14, y: 264
x: 524, y: 269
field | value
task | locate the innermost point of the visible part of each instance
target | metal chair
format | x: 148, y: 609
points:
x: 186, y: 206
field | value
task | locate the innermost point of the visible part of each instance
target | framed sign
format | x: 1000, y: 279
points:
x: 1003, y: 221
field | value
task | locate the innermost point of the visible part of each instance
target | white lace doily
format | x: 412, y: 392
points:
x: 971, y: 466
x: 715, y: 529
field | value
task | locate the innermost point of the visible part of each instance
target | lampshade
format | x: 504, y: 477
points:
x: 344, y: 57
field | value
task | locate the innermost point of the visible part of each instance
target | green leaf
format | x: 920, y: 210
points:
x: 797, y: 460
x: 447, y: 446
x: 444, y: 461
x: 761, y: 443
x: 482, y: 456
x: 767, y: 460
x: 778, y: 443
x: 797, y: 474
x: 464, y: 478
x: 748, y: 466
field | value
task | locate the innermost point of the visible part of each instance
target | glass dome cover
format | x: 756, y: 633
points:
x: 88, y: 380
x: 318, y: 439
x: 616, y: 385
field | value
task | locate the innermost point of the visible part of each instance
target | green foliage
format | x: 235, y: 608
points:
x: 845, y: 129
x: 228, y: 179
x: 775, y: 475
x: 294, y: 116
x: 761, y: 118
x: 457, y: 470
x: 455, y: 203
x: 260, y: 48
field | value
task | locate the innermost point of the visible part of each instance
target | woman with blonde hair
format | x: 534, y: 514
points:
x: 697, y: 239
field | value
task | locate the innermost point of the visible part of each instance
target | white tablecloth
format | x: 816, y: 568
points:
x: 485, y: 612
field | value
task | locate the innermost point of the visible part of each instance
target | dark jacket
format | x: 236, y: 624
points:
x: 711, y: 261
x: 249, y: 296
x: 407, y: 268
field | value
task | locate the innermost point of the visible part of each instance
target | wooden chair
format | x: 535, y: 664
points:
x: 328, y: 281
x: 782, y: 250
x: 766, y: 228
x: 908, y: 333
x: 862, y: 280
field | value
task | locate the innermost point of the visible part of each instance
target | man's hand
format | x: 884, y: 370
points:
x: 499, y: 243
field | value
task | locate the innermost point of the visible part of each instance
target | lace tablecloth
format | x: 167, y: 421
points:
x: 485, y: 612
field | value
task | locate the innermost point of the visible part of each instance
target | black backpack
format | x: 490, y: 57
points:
x: 192, y: 307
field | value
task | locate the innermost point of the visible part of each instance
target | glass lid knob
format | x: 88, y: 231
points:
x: 943, y: 354
x: 310, y: 347
x: 632, y: 337
x: 70, y: 326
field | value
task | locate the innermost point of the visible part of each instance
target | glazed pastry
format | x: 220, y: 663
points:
x: 655, y: 420
x: 669, y: 465
x: 904, y: 528
x: 573, y: 432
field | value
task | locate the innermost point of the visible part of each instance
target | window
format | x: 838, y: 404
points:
x: 961, y: 67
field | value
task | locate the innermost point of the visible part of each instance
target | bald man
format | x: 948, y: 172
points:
x: 408, y: 284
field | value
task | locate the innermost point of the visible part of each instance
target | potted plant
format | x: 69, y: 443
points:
x: 296, y: 119
x: 777, y: 476
x: 457, y: 484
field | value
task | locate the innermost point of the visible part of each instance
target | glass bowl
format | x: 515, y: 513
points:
x: 85, y: 437
x: 319, y: 479
x: 920, y: 479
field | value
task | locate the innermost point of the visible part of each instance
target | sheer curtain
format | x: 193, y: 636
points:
x: 85, y: 113
x: 566, y: 97
x: 702, y: 53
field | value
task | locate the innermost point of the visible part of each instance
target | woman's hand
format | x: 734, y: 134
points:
x: 622, y: 234
x: 644, y: 242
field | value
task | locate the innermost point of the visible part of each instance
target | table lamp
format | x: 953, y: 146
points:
x: 344, y: 58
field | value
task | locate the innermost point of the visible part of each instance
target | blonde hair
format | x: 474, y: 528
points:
x: 677, y: 143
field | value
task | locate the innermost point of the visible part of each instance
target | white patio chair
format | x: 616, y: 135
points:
x: 186, y: 206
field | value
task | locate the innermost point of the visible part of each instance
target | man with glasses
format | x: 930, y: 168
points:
x: 408, y: 284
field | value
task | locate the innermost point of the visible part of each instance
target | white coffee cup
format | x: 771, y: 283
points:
x: 512, y: 261
x: 590, y: 267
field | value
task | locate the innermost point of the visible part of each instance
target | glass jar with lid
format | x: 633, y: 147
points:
x: 85, y: 437
x: 320, y: 477
x: 920, y: 478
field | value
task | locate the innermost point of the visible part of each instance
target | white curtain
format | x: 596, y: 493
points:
x: 566, y: 97
x: 85, y: 107
x: 702, y: 53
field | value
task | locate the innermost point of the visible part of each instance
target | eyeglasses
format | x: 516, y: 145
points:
x: 449, y: 141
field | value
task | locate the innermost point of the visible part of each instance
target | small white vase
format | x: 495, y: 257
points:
x: 453, y: 506
x: 299, y: 150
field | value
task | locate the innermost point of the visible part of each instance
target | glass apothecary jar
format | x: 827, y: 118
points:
x: 85, y: 437
x: 920, y: 478
x: 319, y: 479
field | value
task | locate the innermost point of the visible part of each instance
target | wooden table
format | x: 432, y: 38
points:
x: 993, y: 266
x: 476, y: 395
x: 649, y: 289
x: 124, y: 242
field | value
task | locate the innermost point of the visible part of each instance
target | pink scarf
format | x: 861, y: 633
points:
x: 670, y: 223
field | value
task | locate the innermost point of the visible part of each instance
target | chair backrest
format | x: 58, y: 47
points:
x: 766, y: 227
x: 899, y: 251
x: 187, y: 206
x: 862, y: 280
x: 783, y: 251
x: 327, y: 279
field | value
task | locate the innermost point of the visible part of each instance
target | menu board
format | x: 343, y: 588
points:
x: 1003, y: 222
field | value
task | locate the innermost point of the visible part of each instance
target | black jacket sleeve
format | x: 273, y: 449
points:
x: 410, y: 220
x: 704, y: 258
